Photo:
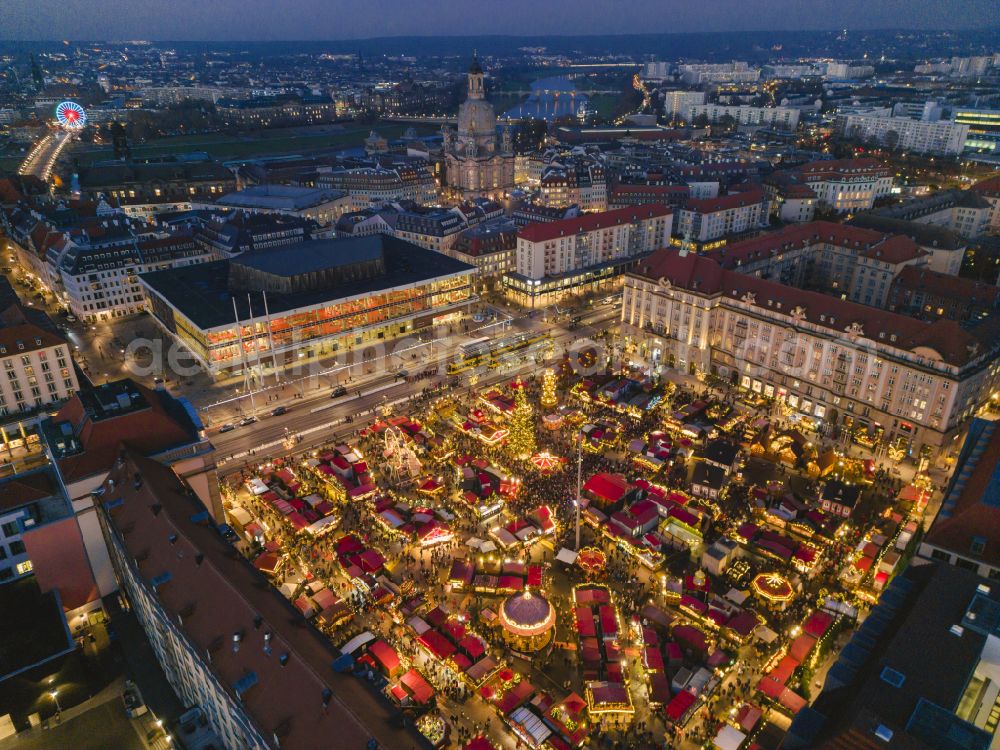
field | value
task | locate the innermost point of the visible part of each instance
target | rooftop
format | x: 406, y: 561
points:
x: 969, y: 520
x: 311, y: 256
x: 33, y: 628
x: 201, y: 292
x: 541, y: 232
x: 942, y: 338
x: 279, y: 197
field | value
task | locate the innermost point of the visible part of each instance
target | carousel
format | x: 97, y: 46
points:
x: 528, y: 622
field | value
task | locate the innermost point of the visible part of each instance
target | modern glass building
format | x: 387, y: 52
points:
x: 319, y: 295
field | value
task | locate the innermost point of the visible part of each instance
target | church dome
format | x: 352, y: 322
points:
x: 476, y: 116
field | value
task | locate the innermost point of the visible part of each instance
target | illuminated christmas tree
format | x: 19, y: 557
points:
x: 521, y: 440
x: 549, y: 399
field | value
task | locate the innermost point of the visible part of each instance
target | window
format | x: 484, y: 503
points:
x: 11, y: 528
x: 17, y: 547
x: 978, y: 545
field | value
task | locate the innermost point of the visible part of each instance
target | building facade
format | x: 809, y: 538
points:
x: 583, y: 254
x: 847, y: 185
x: 939, y: 137
x: 478, y: 163
x: 709, y: 219
x: 384, y: 289
x: 783, y: 118
x: 836, y: 361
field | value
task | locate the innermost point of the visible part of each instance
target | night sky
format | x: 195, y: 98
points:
x: 340, y: 19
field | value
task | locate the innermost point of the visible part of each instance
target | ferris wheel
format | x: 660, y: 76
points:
x: 402, y: 461
x: 70, y: 115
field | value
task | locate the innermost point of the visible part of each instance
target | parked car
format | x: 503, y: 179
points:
x: 132, y: 698
x: 228, y: 427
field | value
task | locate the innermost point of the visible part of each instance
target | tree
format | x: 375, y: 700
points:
x: 701, y: 121
x: 521, y: 440
x: 891, y: 139
x: 549, y: 400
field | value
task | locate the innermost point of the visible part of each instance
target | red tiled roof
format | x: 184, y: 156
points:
x: 148, y: 431
x: 701, y: 274
x: 988, y: 187
x: 945, y: 285
x: 971, y: 516
x: 895, y: 249
x: 26, y: 488
x: 540, y: 232
x: 725, y: 202
x: 21, y: 339
x: 221, y: 594
x: 797, y: 235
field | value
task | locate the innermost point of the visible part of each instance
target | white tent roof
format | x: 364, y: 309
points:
x: 729, y: 738
x: 566, y: 555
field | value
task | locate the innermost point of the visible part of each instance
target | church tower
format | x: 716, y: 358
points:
x: 476, y: 80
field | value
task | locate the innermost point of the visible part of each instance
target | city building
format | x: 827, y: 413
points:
x: 677, y: 104
x: 966, y: 212
x: 478, y: 163
x: 375, y: 186
x: 929, y: 294
x: 100, y: 282
x: 323, y: 206
x: 835, y: 360
x: 237, y: 232
x: 638, y: 195
x: 965, y: 530
x: 945, y: 248
x: 28, y: 501
x: 845, y: 71
x: 226, y: 640
x: 536, y: 213
x: 162, y: 181
x: 579, y: 182
x: 84, y: 440
x: 919, y: 672
x: 488, y: 246
x: 298, y: 298
x: 984, y: 127
x: 783, y: 118
x: 275, y: 111
x: 938, y: 137
x: 791, y: 200
x: 989, y: 190
x: 712, y: 218
x: 695, y: 74
x: 847, y: 185
x: 37, y: 367
x: 571, y: 256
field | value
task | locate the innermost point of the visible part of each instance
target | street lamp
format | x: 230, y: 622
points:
x: 54, y: 695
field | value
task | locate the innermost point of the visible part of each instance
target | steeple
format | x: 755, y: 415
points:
x: 476, y: 76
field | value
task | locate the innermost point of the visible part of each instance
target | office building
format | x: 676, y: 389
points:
x: 832, y: 359
x: 940, y: 137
